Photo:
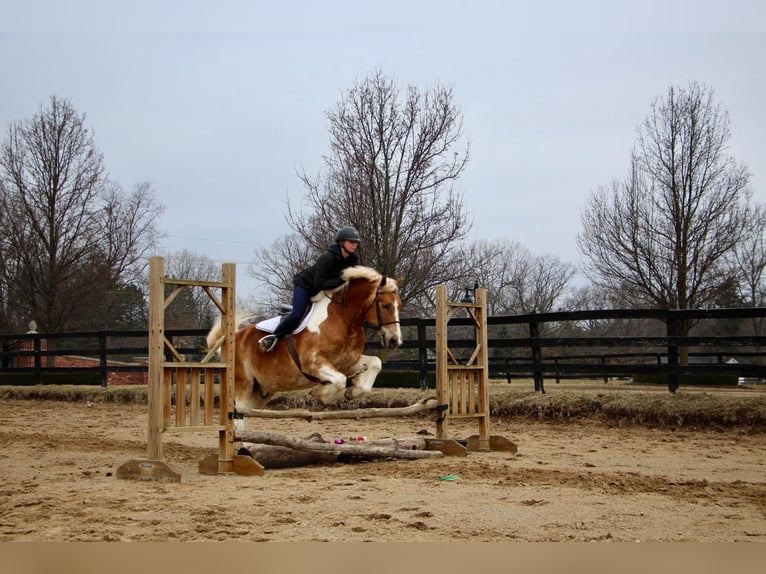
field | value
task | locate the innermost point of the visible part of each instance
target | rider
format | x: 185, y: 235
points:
x: 324, y: 274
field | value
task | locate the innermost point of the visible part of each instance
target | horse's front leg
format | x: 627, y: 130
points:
x: 333, y: 383
x: 363, y: 376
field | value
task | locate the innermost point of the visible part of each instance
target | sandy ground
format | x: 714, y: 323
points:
x: 567, y: 482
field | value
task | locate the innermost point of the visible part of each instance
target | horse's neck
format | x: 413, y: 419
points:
x: 353, y: 302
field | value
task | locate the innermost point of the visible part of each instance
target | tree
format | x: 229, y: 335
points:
x: 661, y: 238
x: 275, y: 267
x: 394, y: 160
x: 518, y: 281
x: 748, y: 260
x: 70, y: 238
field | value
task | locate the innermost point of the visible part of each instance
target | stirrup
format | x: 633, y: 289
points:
x: 267, y: 343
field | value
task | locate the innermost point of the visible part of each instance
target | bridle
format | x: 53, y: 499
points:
x: 381, y: 323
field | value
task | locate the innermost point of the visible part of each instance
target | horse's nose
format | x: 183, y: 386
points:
x: 394, y: 343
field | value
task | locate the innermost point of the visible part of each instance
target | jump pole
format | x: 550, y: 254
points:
x: 196, y: 377
x: 464, y: 387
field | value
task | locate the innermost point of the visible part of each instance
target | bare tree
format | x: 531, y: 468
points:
x: 661, y: 237
x: 69, y: 237
x: 394, y: 160
x: 275, y: 267
x: 128, y: 228
x: 748, y: 260
x: 518, y: 281
x: 748, y: 266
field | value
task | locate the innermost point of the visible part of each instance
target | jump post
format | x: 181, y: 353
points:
x: 464, y: 387
x: 196, y: 377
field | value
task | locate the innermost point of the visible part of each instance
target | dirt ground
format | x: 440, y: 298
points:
x: 567, y: 482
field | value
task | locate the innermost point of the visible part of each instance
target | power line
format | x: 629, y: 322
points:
x: 216, y: 240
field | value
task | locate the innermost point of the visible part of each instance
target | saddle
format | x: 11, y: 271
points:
x: 270, y: 325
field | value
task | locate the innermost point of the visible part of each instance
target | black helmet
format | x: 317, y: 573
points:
x: 347, y: 234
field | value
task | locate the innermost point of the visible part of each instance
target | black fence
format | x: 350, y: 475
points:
x: 601, y: 344
x: 604, y: 344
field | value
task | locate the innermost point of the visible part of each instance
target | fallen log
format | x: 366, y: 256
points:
x: 270, y: 456
x: 421, y: 406
x: 360, y: 449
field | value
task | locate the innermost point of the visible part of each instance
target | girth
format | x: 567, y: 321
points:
x: 296, y: 359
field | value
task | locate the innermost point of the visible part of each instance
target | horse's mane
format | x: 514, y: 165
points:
x: 362, y: 272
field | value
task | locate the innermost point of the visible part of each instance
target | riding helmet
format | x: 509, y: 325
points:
x: 347, y: 234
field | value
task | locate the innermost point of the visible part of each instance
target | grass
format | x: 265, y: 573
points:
x: 612, y: 404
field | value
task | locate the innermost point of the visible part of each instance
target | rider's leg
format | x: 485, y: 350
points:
x: 289, y: 321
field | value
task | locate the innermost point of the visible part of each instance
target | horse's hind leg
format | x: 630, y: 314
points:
x: 248, y: 391
x: 364, y: 371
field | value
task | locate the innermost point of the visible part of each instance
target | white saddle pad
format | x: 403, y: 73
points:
x: 270, y: 325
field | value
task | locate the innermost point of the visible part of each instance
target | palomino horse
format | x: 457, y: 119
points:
x: 328, y: 351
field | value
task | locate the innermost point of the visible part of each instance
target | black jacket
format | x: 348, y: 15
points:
x: 325, y: 273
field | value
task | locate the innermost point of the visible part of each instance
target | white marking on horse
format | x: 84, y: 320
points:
x: 319, y: 314
x: 365, y: 371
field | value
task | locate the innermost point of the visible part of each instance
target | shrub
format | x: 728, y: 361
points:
x: 688, y: 380
x: 403, y: 380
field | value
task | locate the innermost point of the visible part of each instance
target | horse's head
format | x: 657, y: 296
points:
x: 383, y: 314
x: 381, y: 311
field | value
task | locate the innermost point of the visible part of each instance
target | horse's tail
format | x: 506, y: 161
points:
x: 214, y: 334
x: 216, y: 331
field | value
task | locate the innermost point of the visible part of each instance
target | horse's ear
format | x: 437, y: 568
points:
x: 399, y: 281
x: 382, y: 281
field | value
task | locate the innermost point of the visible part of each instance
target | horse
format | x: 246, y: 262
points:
x: 327, y: 353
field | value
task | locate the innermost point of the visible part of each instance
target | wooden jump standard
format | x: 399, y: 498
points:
x: 198, y: 378
x: 464, y: 387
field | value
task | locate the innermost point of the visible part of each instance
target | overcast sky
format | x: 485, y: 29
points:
x: 219, y: 104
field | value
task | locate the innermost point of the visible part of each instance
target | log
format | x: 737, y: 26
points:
x: 270, y: 456
x: 360, y: 449
x: 421, y: 406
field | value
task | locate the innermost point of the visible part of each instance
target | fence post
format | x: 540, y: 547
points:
x: 537, y: 356
x: 672, y: 331
x: 102, y: 359
x: 422, y: 355
x: 38, y: 359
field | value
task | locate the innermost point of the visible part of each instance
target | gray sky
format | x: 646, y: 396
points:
x: 219, y: 104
